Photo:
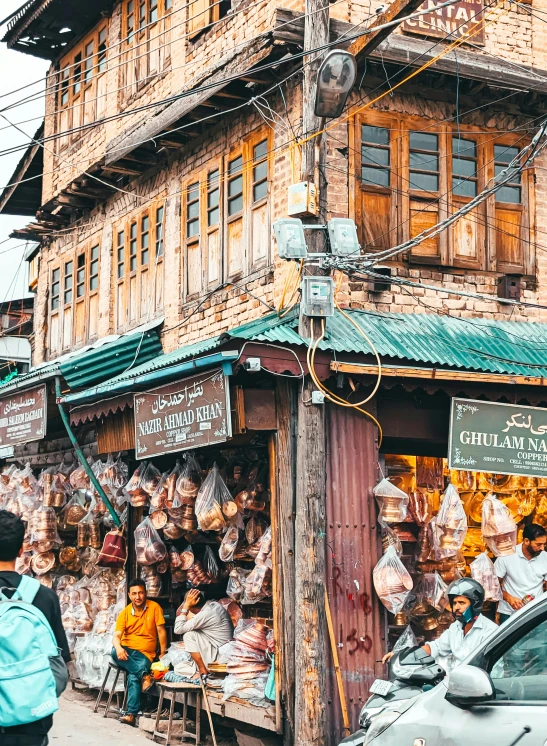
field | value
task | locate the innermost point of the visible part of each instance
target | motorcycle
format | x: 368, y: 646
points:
x: 411, y: 672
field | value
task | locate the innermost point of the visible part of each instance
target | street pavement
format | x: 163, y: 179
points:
x: 75, y: 723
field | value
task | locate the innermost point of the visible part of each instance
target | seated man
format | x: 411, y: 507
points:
x: 205, y: 633
x: 138, y: 629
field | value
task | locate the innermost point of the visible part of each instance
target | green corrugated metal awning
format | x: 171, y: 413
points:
x: 483, y: 345
x: 111, y: 359
x: 97, y: 362
x: 480, y: 345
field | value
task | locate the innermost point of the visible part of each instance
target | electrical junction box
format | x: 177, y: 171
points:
x: 343, y: 237
x: 303, y: 199
x: 289, y: 234
x: 252, y: 365
x: 318, y: 296
x: 317, y: 397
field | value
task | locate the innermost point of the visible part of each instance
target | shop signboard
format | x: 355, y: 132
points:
x: 454, y: 21
x: 497, y: 438
x: 190, y: 413
x: 23, y: 416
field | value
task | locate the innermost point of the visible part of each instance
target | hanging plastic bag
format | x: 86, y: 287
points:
x: 431, y: 589
x: 392, y: 581
x: 171, y: 484
x: 44, y: 529
x: 390, y: 538
x: 135, y: 489
x: 423, y: 546
x: 196, y: 575
x: 187, y: 558
x: 482, y: 570
x: 393, y: 502
x: 149, y: 547
x: 406, y: 640
x: 175, y: 561
x: 25, y: 480
x: 255, y: 529
x: 229, y: 543
x: 264, y: 556
x: 79, y: 479
x: 420, y: 508
x: 258, y: 585
x: 212, y: 494
x: 158, y: 499
x: 236, y: 582
x: 152, y: 579
x: 450, y: 524
x: 44, y: 487
x: 114, y: 475
x: 210, y: 565
x: 150, y: 479
x: 189, y: 483
x: 498, y: 527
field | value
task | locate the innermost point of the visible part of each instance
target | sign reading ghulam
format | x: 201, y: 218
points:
x: 498, y: 438
x: 454, y: 21
x: 23, y: 416
x: 187, y: 414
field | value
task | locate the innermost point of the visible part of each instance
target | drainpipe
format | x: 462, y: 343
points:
x: 81, y: 458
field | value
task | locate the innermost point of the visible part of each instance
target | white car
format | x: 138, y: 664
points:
x: 498, y: 697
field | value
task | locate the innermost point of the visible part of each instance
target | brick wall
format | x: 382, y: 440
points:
x: 185, y: 321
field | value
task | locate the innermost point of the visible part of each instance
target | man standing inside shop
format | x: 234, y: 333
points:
x: 140, y: 630
x: 523, y: 575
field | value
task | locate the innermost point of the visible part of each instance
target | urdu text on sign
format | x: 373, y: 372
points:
x: 190, y: 413
x: 498, y: 438
x: 454, y: 21
x: 23, y: 416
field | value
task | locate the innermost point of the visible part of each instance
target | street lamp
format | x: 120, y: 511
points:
x: 334, y: 82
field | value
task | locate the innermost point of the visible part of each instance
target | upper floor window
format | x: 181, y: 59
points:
x: 138, y: 256
x: 74, y: 299
x: 81, y: 97
x: 226, y: 217
x: 146, y: 43
x: 414, y: 174
x: 202, y: 13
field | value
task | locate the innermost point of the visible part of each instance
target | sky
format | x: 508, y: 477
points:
x: 16, y: 70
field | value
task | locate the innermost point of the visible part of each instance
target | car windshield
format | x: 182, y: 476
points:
x: 520, y: 673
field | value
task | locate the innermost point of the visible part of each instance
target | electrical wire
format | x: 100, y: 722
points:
x: 60, y: 231
x: 504, y: 177
x: 275, y: 63
x: 334, y: 398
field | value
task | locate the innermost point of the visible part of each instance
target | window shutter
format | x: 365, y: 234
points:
x: 199, y: 16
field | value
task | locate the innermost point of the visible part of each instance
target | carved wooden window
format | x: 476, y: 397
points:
x: 138, y: 257
x: 74, y: 306
x: 146, y: 43
x: 202, y: 13
x: 413, y: 173
x: 226, y: 217
x: 81, y: 97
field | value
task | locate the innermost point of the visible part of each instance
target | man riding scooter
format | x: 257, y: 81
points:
x: 470, y: 628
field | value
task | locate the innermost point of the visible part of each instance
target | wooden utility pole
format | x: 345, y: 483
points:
x: 310, y: 629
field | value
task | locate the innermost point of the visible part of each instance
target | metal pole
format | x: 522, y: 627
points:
x: 81, y: 458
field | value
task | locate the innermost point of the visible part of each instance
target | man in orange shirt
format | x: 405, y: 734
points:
x: 139, y: 628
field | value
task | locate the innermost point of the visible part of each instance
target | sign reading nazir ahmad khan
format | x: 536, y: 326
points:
x: 187, y: 414
x: 497, y: 438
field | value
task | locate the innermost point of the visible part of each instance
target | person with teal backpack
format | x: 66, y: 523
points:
x: 33, y: 647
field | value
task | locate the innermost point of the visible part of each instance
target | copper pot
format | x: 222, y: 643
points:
x: 95, y: 536
x: 159, y: 519
x: 68, y: 555
x: 82, y: 539
x: 42, y: 563
x: 392, y: 509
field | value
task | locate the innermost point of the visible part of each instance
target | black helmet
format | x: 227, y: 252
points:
x: 468, y: 588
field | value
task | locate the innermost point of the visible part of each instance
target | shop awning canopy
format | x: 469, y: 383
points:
x: 96, y: 362
x: 429, y: 341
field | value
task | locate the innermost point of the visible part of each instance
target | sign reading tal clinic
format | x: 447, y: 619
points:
x: 455, y: 21
x: 23, y: 416
x: 190, y: 413
x: 497, y: 438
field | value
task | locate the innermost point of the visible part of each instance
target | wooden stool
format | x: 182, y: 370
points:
x: 108, y: 708
x: 185, y: 689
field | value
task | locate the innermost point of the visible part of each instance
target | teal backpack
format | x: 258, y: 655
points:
x: 27, y: 642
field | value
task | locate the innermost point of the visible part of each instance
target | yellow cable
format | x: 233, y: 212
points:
x: 329, y: 394
x: 446, y: 50
x: 293, y: 298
